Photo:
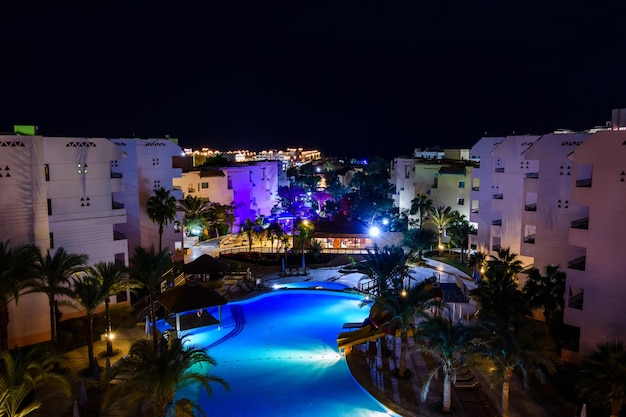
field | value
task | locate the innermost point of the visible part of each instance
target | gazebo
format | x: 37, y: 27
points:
x: 206, y: 266
x: 191, y: 297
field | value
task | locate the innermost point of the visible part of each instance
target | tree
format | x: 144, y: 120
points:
x: 195, y: 212
x: 156, y: 376
x: 274, y: 232
x: 478, y: 262
x: 602, y: 377
x: 546, y: 292
x: 450, y: 345
x: 52, y: 276
x: 147, y: 271
x: 89, y: 294
x: 291, y: 198
x: 161, y: 210
x: 421, y: 205
x: 460, y: 230
x: 305, y: 232
x: 21, y: 373
x: 15, y: 263
x: 251, y: 228
x: 498, y: 293
x: 113, y: 279
x: 441, y: 217
x: 508, y: 345
x: 418, y: 239
x: 387, y: 268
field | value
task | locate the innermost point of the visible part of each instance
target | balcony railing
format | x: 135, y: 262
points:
x: 532, y: 175
x: 530, y: 207
x: 529, y: 239
x: 499, y: 196
x: 474, y: 210
x: 578, y: 263
x: 117, y: 206
x: 496, y: 222
x: 117, y: 175
x: 475, y: 188
x: 584, y: 183
x: 580, y: 224
x: 496, y: 247
x: 118, y: 235
x: 191, y: 190
x: 501, y: 169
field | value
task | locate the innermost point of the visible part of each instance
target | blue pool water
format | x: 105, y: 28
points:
x: 278, y: 352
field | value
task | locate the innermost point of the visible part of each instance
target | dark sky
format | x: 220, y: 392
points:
x: 346, y: 77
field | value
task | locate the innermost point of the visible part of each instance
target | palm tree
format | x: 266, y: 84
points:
x: 602, y: 377
x: 418, y: 239
x: 498, y: 293
x: 508, y: 345
x: 387, y: 268
x: 478, y: 262
x: 274, y: 232
x: 154, y: 377
x: 460, y: 230
x: 305, y: 232
x: 161, y: 210
x: 546, y: 292
x: 441, y: 217
x: 113, y: 279
x: 89, y: 294
x: 250, y: 229
x: 195, y: 212
x: 450, y: 344
x: 15, y: 264
x: 21, y: 373
x: 52, y: 274
x: 421, y: 205
x: 147, y: 271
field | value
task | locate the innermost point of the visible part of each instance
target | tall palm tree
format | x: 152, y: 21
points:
x: 21, y: 373
x: 546, y: 291
x: 478, y: 262
x: 161, y: 210
x: 195, y: 213
x: 147, y: 270
x: 418, y: 239
x: 89, y: 294
x: 450, y: 344
x: 602, y: 377
x: 421, y: 205
x: 460, y: 230
x: 387, y: 268
x: 154, y: 377
x: 305, y: 232
x: 15, y: 266
x: 498, y: 293
x: 508, y: 345
x: 441, y: 217
x: 52, y: 277
x: 113, y: 279
x: 274, y: 232
x: 250, y: 229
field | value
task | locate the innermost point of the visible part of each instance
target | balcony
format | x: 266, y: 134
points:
x: 475, y: 210
x: 117, y: 175
x: 116, y: 205
x: 191, y: 190
x: 586, y: 183
x: 496, y: 247
x: 532, y: 175
x: 118, y: 235
x: 433, y: 186
x: 501, y: 169
x: 580, y: 224
x: 475, y: 188
x: 578, y: 263
x: 530, y: 207
x: 529, y: 239
x: 499, y: 196
x: 496, y: 222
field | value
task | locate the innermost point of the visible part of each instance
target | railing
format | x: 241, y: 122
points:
x: 475, y: 188
x: 578, y: 263
x: 179, y: 280
x: 500, y: 169
x: 117, y: 175
x: 584, y: 183
x: 580, y: 224
x: 496, y: 247
x: 529, y: 239
x: 118, y: 235
x: 532, y: 175
x: 499, y: 196
x: 191, y: 190
x: 530, y: 207
x: 117, y: 206
x: 496, y: 222
x: 576, y: 301
x: 474, y: 210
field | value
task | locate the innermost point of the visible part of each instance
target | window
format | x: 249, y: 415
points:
x: 460, y: 201
x: 230, y: 182
x: 49, y: 207
x: 47, y: 172
x: 51, y: 240
x: 205, y: 185
x: 461, y: 184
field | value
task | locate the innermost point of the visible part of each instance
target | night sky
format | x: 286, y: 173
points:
x: 350, y: 78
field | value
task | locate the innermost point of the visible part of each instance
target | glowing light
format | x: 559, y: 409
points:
x: 385, y: 221
x: 374, y: 231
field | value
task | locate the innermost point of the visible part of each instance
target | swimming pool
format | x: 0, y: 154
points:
x: 278, y: 352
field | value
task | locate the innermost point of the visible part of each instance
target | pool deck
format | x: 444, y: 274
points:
x: 374, y: 372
